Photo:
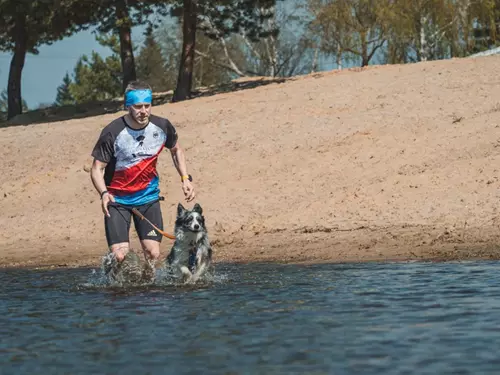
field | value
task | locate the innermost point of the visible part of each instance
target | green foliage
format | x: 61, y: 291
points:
x: 3, y: 102
x: 169, y: 39
x: 138, y: 13
x: 152, y: 66
x: 269, y: 53
x: 64, y: 96
x: 482, y: 33
x: 47, y: 21
x: 356, y: 27
x: 3, y: 105
x: 28, y: 24
x: 405, y: 30
x: 94, y: 77
x: 208, y: 66
x: 288, y: 53
x: 118, y: 17
x: 220, y: 18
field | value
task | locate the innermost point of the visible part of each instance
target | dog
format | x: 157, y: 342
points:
x: 191, y: 255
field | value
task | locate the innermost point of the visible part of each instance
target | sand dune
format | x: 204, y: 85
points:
x: 391, y: 162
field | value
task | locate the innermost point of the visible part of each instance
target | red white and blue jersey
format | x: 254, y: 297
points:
x: 131, y: 156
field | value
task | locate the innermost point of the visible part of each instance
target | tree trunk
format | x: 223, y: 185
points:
x: 14, y: 101
x: 423, y: 53
x: 314, y: 66
x: 339, y: 57
x: 270, y: 43
x: 365, y: 59
x: 126, y: 51
x: 185, y: 78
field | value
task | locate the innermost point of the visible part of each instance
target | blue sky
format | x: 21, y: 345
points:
x: 43, y: 73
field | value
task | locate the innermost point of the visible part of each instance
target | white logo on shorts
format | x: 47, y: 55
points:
x: 152, y: 233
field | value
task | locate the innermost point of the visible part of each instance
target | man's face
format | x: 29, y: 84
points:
x: 140, y: 112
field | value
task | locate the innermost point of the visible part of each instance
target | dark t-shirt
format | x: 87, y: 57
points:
x: 131, y: 156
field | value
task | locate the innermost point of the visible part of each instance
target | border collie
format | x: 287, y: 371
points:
x: 191, y: 255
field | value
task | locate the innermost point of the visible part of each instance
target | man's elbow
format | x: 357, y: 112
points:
x: 96, y: 169
x: 93, y: 172
x: 176, y: 150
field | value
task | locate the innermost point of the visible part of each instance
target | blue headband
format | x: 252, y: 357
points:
x: 138, y: 96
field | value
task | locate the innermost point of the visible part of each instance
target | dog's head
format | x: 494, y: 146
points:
x: 191, y: 220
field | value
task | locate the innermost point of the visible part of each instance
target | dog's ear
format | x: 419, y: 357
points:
x: 180, y: 209
x: 197, y: 208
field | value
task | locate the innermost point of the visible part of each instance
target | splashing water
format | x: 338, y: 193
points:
x: 132, y: 273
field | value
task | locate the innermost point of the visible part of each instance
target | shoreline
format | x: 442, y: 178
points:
x: 359, y: 245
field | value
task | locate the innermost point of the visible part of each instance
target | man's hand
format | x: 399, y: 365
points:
x: 106, y: 199
x: 188, y: 190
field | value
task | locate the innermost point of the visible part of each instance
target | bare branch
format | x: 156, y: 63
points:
x: 250, y: 46
x: 231, y: 62
x: 225, y: 66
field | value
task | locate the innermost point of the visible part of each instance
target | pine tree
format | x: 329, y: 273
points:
x: 98, y: 78
x: 119, y: 17
x: 4, y: 105
x: 64, y: 96
x: 151, y: 65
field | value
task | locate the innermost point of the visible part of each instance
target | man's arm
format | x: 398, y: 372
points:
x: 97, y: 177
x: 179, y: 160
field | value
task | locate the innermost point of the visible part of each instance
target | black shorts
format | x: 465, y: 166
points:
x: 117, y: 226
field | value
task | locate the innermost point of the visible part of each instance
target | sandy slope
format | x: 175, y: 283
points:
x: 391, y: 162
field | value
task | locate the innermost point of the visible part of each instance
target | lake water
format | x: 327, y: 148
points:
x: 372, y: 318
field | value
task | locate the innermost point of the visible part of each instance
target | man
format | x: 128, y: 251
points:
x: 125, y: 176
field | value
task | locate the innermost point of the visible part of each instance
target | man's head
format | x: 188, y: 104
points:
x: 138, y: 98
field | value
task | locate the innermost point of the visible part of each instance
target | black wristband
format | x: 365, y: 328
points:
x: 104, y: 192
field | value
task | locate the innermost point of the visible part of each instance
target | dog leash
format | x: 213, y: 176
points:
x: 141, y: 216
x: 136, y: 212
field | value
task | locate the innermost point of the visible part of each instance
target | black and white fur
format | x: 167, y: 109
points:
x: 191, y: 240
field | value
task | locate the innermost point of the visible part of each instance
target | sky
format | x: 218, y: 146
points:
x: 43, y: 73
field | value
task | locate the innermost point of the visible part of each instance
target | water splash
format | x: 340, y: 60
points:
x: 166, y: 276
x: 133, y: 273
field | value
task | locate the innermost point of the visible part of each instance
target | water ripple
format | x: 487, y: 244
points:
x: 375, y: 318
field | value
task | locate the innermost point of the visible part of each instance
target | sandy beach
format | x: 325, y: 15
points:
x: 395, y: 162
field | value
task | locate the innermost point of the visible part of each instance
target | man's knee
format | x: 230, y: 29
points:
x: 153, y: 253
x: 152, y: 249
x: 120, y: 250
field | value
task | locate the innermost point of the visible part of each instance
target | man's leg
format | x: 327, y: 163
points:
x: 120, y: 250
x: 151, y: 249
x: 149, y: 237
x: 117, y: 228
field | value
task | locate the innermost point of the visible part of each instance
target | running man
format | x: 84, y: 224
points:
x: 125, y: 176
